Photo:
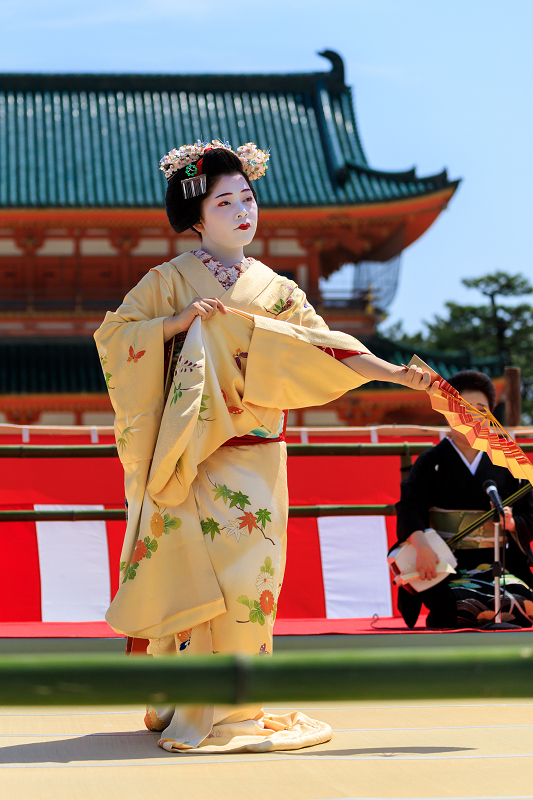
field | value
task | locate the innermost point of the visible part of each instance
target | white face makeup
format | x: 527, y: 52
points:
x: 229, y: 214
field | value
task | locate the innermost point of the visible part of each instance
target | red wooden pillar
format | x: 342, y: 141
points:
x: 513, y: 400
x: 125, y: 241
x: 29, y: 241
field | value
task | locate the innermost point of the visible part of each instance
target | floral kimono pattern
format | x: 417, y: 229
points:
x: 226, y: 276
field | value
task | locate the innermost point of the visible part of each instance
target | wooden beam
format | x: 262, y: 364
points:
x: 327, y: 216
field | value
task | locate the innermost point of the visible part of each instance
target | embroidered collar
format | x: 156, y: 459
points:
x: 226, y: 276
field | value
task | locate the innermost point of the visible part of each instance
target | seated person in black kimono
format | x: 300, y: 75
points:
x: 444, y: 491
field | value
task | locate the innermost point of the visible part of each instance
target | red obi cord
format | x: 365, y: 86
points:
x: 238, y: 441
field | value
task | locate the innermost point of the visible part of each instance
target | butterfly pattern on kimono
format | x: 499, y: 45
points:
x: 238, y: 356
x: 135, y: 356
x: 231, y: 409
x: 184, y: 638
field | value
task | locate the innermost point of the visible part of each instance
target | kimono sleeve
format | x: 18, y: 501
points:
x: 413, y: 508
x: 130, y: 344
x: 298, y: 311
x: 287, y: 367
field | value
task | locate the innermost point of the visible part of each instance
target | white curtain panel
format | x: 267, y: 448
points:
x: 354, y: 566
x: 74, y: 567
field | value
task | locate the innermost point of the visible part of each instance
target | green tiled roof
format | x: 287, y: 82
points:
x: 95, y: 140
x: 446, y: 364
x: 53, y: 366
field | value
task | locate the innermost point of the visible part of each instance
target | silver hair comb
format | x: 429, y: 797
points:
x: 195, y: 184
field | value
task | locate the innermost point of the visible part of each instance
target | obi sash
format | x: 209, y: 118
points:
x: 448, y: 523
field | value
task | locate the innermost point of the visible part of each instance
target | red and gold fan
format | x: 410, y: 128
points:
x: 481, y: 428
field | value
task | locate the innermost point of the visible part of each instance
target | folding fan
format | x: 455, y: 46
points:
x: 481, y: 429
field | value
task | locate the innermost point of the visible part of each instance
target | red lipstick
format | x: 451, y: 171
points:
x: 244, y: 226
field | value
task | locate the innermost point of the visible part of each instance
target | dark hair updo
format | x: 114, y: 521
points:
x: 471, y: 380
x: 184, y: 213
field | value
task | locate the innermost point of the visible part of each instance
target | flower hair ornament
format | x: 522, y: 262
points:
x: 190, y: 156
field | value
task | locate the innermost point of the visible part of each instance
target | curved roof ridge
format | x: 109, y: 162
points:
x: 440, y: 179
x: 336, y: 74
x: 77, y: 124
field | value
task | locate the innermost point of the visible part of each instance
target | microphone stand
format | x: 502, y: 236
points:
x: 497, y: 572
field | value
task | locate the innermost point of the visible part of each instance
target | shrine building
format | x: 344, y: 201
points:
x: 82, y: 214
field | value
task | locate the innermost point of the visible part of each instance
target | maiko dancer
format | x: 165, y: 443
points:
x: 204, y: 357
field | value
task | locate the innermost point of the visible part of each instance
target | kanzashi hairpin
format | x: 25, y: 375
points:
x: 195, y: 183
x: 253, y: 160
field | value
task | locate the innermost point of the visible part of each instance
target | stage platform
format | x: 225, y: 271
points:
x: 424, y: 749
x: 465, y: 749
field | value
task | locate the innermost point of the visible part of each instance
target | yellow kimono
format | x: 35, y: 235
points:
x: 204, y: 551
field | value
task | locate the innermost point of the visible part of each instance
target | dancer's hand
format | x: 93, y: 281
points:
x: 375, y: 369
x: 414, y: 378
x: 205, y: 308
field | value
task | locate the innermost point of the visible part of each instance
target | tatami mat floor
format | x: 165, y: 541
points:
x: 464, y: 749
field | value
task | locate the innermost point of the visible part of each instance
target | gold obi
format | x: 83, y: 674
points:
x: 447, y: 523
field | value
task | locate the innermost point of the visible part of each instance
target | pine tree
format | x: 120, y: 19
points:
x: 489, y: 329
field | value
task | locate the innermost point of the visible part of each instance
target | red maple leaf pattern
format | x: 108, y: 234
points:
x: 140, y: 552
x: 248, y: 520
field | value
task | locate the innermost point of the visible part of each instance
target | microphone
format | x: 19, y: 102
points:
x: 492, y: 490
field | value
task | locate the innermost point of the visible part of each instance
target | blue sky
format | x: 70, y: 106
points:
x: 437, y: 84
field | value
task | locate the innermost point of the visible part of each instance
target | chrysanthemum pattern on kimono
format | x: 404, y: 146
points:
x: 160, y: 523
x: 260, y: 609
